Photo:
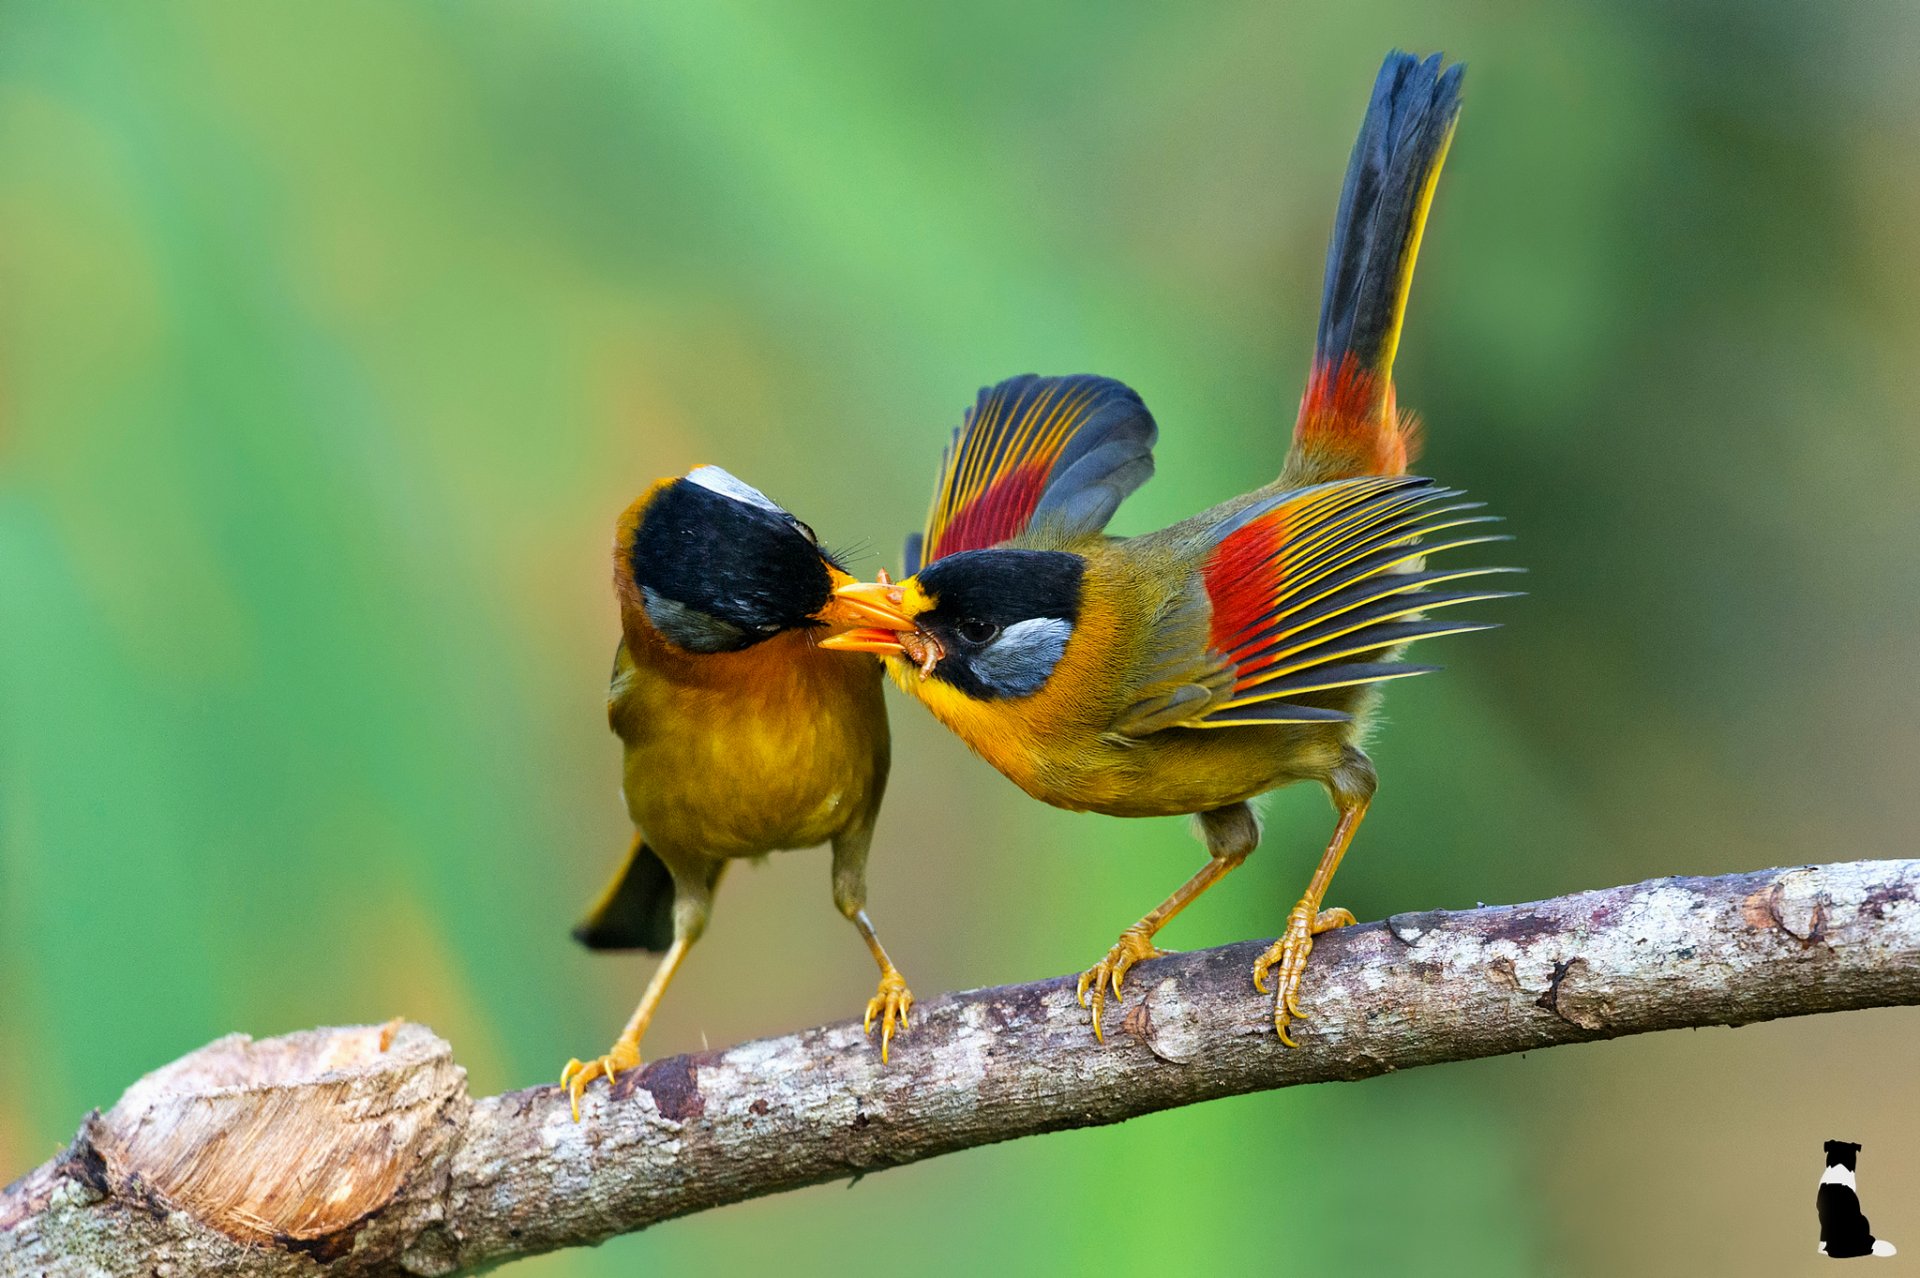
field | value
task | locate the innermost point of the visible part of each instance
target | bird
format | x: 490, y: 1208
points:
x: 1189, y: 670
x: 742, y: 734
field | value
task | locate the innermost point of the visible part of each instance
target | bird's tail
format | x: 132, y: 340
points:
x: 636, y: 910
x: 1348, y: 423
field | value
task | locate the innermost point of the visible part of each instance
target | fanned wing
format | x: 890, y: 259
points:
x: 1312, y: 590
x: 1034, y: 450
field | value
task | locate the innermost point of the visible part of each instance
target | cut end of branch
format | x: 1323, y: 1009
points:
x: 291, y: 1142
x: 299, y: 1145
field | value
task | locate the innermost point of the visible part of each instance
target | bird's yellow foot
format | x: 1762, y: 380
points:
x: 890, y: 1003
x: 622, y: 1056
x: 1134, y: 946
x: 1289, y: 953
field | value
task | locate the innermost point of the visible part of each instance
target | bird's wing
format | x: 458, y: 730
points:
x: 1181, y: 678
x: 1060, y: 451
x: 622, y: 714
x: 1312, y: 590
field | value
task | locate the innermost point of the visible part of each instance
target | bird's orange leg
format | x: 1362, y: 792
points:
x: 692, y: 906
x: 1306, y: 921
x: 1231, y: 835
x: 893, y: 1000
x: 625, y: 1052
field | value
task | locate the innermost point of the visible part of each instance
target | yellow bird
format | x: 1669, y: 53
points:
x: 1189, y: 670
x: 743, y: 735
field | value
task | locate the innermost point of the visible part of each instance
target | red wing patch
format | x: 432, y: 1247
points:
x: 1032, y: 447
x: 1310, y: 591
x: 998, y: 512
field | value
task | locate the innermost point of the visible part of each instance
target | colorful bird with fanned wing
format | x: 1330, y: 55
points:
x: 1192, y: 669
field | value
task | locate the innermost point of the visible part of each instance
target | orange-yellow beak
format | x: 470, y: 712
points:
x: 871, y: 612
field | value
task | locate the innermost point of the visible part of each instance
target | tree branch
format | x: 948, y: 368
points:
x: 324, y: 1152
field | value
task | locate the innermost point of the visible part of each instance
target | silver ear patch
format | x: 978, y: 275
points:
x: 690, y: 628
x: 1021, y: 659
x: 713, y: 479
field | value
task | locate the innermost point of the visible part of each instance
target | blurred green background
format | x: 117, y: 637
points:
x: 335, y: 336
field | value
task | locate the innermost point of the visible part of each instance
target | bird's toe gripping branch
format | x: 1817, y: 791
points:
x: 1134, y: 946
x: 890, y: 1004
x: 621, y: 1057
x: 1289, y: 954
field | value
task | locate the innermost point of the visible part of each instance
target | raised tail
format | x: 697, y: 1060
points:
x: 636, y: 910
x: 1348, y: 423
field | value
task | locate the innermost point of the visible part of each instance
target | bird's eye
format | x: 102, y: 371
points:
x: 806, y: 530
x: 977, y: 633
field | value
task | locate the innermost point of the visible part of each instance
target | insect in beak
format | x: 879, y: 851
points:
x: 871, y: 610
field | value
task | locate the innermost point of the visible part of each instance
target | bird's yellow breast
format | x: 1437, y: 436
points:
x: 781, y: 745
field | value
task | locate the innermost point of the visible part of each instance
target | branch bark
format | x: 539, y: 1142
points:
x: 334, y: 1152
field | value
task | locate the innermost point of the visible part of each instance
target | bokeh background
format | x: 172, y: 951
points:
x: 336, y: 335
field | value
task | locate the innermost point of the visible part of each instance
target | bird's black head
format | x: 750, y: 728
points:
x: 716, y: 566
x: 1841, y: 1153
x: 1001, y: 618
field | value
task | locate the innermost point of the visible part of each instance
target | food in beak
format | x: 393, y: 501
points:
x: 871, y: 610
x: 922, y: 649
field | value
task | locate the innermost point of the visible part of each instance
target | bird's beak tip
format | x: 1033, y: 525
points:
x: 868, y: 605
x: 866, y: 616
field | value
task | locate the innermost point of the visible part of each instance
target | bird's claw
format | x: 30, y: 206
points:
x: 892, y: 1002
x: 1134, y: 946
x: 1289, y: 954
x: 578, y: 1073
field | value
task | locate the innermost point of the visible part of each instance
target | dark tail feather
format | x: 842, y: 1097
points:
x: 636, y: 910
x: 1347, y: 417
x: 1383, y: 208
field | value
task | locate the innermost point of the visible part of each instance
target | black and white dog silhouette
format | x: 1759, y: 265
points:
x: 1843, y: 1226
